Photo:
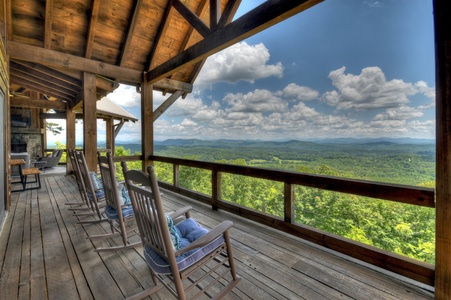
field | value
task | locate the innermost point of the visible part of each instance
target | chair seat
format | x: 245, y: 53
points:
x: 111, y: 213
x: 189, y: 231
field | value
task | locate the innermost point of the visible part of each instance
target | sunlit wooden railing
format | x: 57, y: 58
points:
x: 420, y: 196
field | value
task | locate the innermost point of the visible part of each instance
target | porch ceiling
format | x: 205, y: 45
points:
x: 51, y: 43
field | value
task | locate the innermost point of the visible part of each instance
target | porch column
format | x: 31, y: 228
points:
x: 90, y: 120
x: 109, y: 124
x: 70, y: 136
x: 146, y: 123
x: 442, y: 21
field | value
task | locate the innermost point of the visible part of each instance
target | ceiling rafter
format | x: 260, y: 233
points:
x: 48, y: 24
x: 92, y: 27
x: 130, y: 31
x: 267, y: 14
x: 35, y: 78
x: 43, y: 89
x: 59, y: 76
x: 23, y: 71
x: 192, y: 18
x: 160, y: 33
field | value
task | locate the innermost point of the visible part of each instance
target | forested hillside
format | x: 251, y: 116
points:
x: 405, y: 229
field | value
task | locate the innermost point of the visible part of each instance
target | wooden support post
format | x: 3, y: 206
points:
x: 216, y: 189
x: 110, y: 134
x: 147, y: 123
x: 90, y: 120
x: 289, y: 213
x: 176, y: 175
x: 70, y: 136
x: 442, y: 20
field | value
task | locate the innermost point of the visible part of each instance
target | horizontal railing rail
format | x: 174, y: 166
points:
x: 421, y: 196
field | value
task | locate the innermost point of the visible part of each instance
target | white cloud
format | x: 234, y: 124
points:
x: 299, y: 92
x: 257, y: 101
x: 125, y: 96
x: 399, y: 113
x: 238, y: 62
x: 369, y: 90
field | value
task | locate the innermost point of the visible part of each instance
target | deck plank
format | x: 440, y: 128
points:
x: 272, y: 265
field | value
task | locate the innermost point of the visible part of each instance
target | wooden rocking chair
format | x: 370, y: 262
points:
x: 93, y: 196
x: 185, y: 258
x: 115, y: 209
x: 84, y: 204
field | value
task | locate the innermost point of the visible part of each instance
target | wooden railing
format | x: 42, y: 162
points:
x: 411, y: 268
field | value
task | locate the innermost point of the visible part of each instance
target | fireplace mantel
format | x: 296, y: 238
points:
x: 27, y: 130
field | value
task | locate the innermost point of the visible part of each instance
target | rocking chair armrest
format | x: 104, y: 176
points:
x: 180, y: 212
x: 207, y: 238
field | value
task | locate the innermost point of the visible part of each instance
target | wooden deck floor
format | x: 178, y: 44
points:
x: 45, y: 255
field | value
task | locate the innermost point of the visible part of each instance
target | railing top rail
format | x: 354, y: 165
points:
x: 394, y: 192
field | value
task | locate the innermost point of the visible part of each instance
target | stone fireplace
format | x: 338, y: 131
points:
x: 27, y: 140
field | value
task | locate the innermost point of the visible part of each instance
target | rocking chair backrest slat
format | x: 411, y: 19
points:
x: 108, y: 175
x: 149, y: 212
x: 84, y: 174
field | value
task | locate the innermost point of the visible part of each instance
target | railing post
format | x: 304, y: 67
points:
x: 176, y: 175
x: 288, y: 193
x: 216, y: 188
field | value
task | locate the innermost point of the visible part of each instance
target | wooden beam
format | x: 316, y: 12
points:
x: 130, y: 31
x: 26, y: 73
x: 70, y: 135
x: 170, y: 84
x: 161, y: 32
x: 215, y: 14
x: 146, y: 124
x: 48, y: 24
x: 57, y: 59
x: 90, y: 121
x: 37, y: 103
x: 40, y: 87
x: 442, y: 20
x: 165, y: 105
x: 92, y: 28
x: 194, y: 20
x: 267, y: 14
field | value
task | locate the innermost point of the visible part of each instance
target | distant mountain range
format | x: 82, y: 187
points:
x: 135, y: 146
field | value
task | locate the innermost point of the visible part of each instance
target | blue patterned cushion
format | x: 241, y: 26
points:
x: 111, y: 213
x: 189, y: 231
x: 175, y: 238
x: 123, y: 194
x: 100, y: 194
x: 96, y: 181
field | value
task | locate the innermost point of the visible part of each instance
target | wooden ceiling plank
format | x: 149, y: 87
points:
x: 92, y: 28
x: 267, y: 14
x: 67, y: 61
x: 48, y: 24
x: 192, y: 18
x: 37, y: 103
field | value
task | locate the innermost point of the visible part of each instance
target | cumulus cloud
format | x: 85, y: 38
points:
x: 303, y: 93
x: 125, y: 96
x: 239, y: 62
x: 368, y: 90
x: 257, y: 101
x: 399, y: 113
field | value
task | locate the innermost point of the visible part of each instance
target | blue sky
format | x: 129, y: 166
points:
x: 340, y: 69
